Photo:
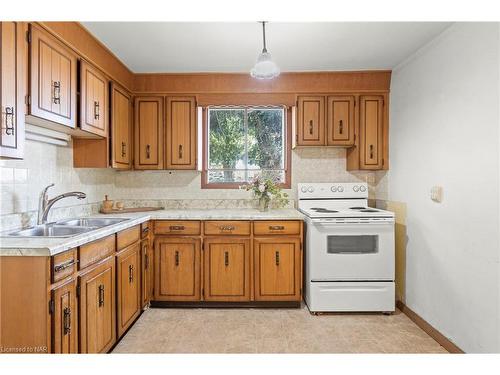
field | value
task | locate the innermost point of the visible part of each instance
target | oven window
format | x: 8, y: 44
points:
x: 352, y: 244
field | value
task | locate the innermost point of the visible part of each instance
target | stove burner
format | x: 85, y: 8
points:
x: 357, y: 208
x: 368, y: 210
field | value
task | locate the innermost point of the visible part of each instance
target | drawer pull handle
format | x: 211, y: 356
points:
x: 277, y: 256
x: 177, y: 258
x: 177, y: 227
x: 180, y: 151
x: 276, y: 227
x: 145, y: 230
x: 64, y: 265
x: 130, y: 273
x: 311, y: 127
x: 9, y: 113
x: 57, y: 92
x: 101, y: 295
x: 371, y: 151
x: 227, y: 227
x: 146, y: 258
x: 148, y: 151
x: 96, y: 110
x: 123, y: 149
x: 226, y: 258
x: 67, y: 321
x: 341, y: 127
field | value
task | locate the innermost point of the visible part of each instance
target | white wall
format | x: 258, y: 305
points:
x: 445, y: 131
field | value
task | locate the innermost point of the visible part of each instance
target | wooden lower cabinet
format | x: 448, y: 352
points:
x: 227, y: 269
x: 128, y: 265
x: 65, y: 318
x: 278, y: 269
x: 97, y: 308
x: 177, y: 269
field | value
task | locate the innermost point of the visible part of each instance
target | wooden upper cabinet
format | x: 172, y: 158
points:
x: 93, y: 100
x: 371, y: 129
x: 311, y: 121
x: 97, y: 308
x: 121, y: 127
x: 177, y: 269
x: 13, y: 55
x: 148, y: 132
x: 278, y: 269
x: 340, y: 120
x: 53, y: 69
x: 129, y: 287
x: 181, y: 133
x: 227, y: 269
x: 65, y: 319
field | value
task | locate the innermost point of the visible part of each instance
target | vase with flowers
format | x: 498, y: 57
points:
x: 267, y: 190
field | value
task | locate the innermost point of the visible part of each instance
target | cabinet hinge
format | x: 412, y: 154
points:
x: 28, y: 36
x: 27, y: 99
x: 203, y: 293
x: 52, y: 306
x: 383, y: 161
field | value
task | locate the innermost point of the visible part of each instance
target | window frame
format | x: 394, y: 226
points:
x: 236, y: 185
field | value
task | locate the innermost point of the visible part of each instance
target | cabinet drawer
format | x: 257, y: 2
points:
x: 145, y: 229
x: 63, y: 265
x: 127, y: 237
x: 93, y: 252
x: 276, y: 227
x: 177, y: 227
x: 238, y: 228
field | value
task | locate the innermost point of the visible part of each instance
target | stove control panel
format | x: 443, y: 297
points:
x: 344, y: 190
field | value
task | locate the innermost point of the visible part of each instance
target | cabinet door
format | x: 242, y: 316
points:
x: 53, y: 79
x: 177, y: 269
x: 93, y: 100
x: 371, y: 127
x: 129, y: 287
x: 97, y: 308
x: 13, y: 55
x: 278, y: 269
x: 181, y: 133
x: 148, y: 133
x: 311, y: 121
x: 64, y: 319
x: 340, y: 120
x: 227, y: 269
x: 121, y: 125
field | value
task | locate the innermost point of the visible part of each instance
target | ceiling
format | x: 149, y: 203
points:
x: 153, y: 47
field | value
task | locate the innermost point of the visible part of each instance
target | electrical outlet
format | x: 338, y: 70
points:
x: 437, y: 194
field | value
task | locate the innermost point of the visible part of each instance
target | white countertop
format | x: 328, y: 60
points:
x: 44, y: 246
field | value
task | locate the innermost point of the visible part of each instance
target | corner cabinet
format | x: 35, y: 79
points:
x: 180, y: 141
x: 13, y: 54
x: 53, y: 75
x: 148, y: 130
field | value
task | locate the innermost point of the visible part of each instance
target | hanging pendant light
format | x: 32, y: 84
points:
x: 265, y: 67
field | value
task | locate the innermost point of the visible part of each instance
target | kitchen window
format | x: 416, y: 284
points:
x: 243, y: 142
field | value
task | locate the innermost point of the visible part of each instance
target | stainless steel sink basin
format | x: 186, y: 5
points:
x: 51, y: 230
x: 90, y: 222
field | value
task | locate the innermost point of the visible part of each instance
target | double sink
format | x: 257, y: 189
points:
x: 66, y: 228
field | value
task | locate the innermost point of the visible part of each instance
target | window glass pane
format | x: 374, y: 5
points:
x: 265, y: 130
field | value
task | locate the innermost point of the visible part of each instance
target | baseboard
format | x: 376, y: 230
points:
x: 430, y: 330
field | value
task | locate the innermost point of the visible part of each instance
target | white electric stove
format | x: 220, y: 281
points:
x: 349, y: 263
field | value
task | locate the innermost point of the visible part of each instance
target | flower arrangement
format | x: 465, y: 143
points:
x: 265, y: 190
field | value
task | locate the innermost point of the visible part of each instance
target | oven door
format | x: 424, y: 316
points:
x: 359, y: 251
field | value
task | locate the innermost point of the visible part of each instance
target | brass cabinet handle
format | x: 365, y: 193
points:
x: 101, y: 295
x: 177, y: 227
x: 176, y: 258
x: 226, y: 227
x: 123, y: 149
x: 63, y: 266
x: 226, y: 258
x: 311, y: 127
x: 276, y: 227
x: 371, y: 151
x: 96, y: 110
x: 67, y: 321
x: 56, y: 98
x: 9, y: 113
x: 277, y: 258
x: 341, y: 127
x: 180, y: 151
x: 130, y: 273
x: 148, y: 151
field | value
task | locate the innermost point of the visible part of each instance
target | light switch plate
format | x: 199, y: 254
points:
x: 437, y: 194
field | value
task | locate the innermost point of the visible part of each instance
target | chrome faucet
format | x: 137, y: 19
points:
x: 45, y: 204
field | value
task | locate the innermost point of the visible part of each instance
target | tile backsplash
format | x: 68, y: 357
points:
x: 23, y: 180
